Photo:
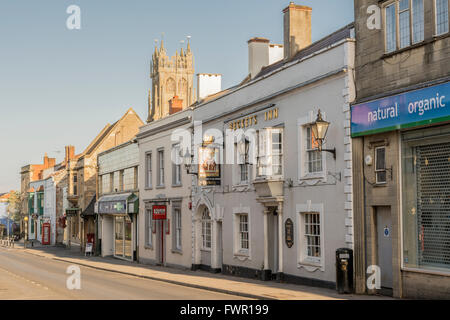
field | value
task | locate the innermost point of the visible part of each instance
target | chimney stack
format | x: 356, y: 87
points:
x: 258, y: 55
x: 175, y: 105
x: 70, y: 153
x: 208, y: 84
x: 297, y: 29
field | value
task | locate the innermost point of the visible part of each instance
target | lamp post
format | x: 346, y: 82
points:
x: 7, y: 224
x: 319, y: 130
x: 26, y: 232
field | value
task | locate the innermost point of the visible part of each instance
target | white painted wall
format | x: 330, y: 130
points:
x: 162, y: 139
x: 333, y: 196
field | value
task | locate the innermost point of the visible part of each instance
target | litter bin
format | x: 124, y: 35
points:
x: 344, y: 270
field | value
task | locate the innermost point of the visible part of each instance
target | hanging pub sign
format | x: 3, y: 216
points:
x: 289, y: 232
x: 209, y: 166
x: 160, y: 212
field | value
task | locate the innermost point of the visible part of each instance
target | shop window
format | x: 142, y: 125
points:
x: 441, y: 9
x: 270, y: 152
x: 408, y: 15
x: 380, y: 165
x: 426, y: 200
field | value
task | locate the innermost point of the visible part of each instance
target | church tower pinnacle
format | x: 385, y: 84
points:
x: 172, y: 79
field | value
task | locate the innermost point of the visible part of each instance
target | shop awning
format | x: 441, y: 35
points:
x: 118, y: 204
x: 89, y: 211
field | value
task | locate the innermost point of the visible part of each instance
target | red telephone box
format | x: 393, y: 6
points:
x: 46, y: 233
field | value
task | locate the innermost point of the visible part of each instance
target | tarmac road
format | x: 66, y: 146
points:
x: 26, y: 276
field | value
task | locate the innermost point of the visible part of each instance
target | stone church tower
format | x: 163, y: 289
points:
x: 172, y: 82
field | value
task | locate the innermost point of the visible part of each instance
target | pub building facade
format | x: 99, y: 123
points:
x: 401, y: 148
x: 267, y: 203
x: 117, y: 205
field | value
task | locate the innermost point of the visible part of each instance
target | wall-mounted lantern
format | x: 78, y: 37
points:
x: 188, y: 159
x: 319, y: 129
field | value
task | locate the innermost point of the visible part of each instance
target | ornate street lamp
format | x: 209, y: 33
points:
x: 319, y: 130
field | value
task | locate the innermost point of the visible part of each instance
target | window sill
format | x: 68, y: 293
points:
x: 205, y: 249
x: 427, y: 271
x: 380, y: 185
x: 148, y: 188
x: 148, y: 247
x: 242, y: 253
x: 313, y: 176
x: 178, y: 185
x: 177, y: 251
x: 160, y: 187
x: 416, y: 45
x: 310, y: 265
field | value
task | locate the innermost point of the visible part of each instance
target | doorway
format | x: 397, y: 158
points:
x: 384, y: 245
x: 160, y: 241
x: 123, y: 247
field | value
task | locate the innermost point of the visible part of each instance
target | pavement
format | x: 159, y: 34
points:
x: 219, y: 283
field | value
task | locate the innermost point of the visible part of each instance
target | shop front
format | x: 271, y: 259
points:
x: 118, y: 225
x: 409, y: 135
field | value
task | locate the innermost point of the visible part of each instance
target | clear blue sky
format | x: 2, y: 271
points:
x: 61, y: 87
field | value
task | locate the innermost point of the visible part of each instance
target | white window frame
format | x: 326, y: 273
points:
x: 303, y: 260
x: 239, y: 252
x: 149, y: 228
x: 161, y: 168
x: 265, y: 152
x: 436, y: 34
x: 148, y: 170
x: 176, y: 168
x: 380, y: 170
x: 205, y: 223
x: 396, y: 4
x: 237, y: 168
x: 177, y: 219
x: 302, y: 155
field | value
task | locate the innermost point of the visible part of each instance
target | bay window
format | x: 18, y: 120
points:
x: 270, y: 152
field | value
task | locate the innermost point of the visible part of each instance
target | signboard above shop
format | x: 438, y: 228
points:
x: 407, y: 110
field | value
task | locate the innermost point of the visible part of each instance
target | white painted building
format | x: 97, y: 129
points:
x: 288, y: 212
x: 165, y: 218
